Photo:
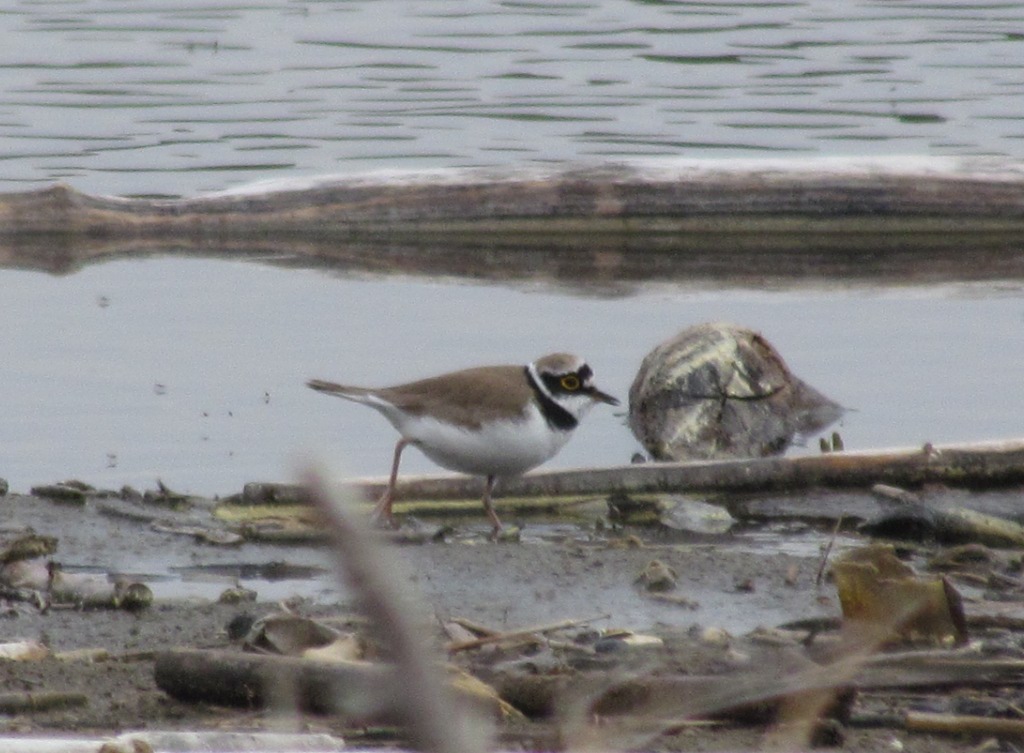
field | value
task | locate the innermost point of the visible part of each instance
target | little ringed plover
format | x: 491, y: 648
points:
x: 490, y: 421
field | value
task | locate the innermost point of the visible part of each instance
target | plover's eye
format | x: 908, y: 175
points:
x: 570, y: 382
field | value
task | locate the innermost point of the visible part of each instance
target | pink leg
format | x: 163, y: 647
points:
x: 382, y: 511
x: 488, y: 488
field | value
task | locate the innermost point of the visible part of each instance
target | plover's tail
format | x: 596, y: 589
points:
x: 347, y: 391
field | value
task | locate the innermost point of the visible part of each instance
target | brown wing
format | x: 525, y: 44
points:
x: 468, y: 397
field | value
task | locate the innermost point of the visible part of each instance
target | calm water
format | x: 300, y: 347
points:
x: 192, y: 371
x: 111, y: 378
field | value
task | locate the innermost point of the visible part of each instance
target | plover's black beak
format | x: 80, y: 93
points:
x: 602, y: 397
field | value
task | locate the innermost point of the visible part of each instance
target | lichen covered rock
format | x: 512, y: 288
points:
x: 717, y: 390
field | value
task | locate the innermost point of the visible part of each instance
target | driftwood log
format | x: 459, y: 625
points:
x: 978, y: 465
x: 362, y: 692
x: 756, y: 698
x: 232, y: 678
x: 367, y: 693
x: 963, y: 725
x: 875, y: 220
x: 38, y: 701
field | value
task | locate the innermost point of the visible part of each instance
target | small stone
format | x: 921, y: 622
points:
x: 64, y: 492
x: 237, y: 595
x: 745, y: 586
x: 714, y: 636
x: 657, y: 576
x: 698, y: 517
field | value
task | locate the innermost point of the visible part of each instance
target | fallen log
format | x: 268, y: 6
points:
x: 910, y: 517
x: 938, y: 669
x: 362, y: 692
x: 38, y: 701
x: 567, y: 222
x: 735, y: 698
x: 232, y: 678
x: 962, y: 724
x: 755, y: 698
x: 976, y: 465
x: 980, y: 465
x: 370, y: 693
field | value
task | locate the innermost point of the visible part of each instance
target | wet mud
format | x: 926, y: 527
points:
x: 719, y: 589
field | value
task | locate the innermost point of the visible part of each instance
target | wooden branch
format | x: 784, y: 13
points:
x: 938, y: 669
x: 959, y: 724
x: 737, y: 697
x: 976, y: 465
x: 361, y: 692
x: 513, y: 635
x: 233, y: 678
x: 44, y: 700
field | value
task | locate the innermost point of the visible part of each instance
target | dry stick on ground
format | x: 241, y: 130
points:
x: 240, y: 678
x: 513, y: 635
x: 958, y: 724
x: 473, y: 627
x: 434, y: 723
x: 827, y: 552
x: 45, y: 700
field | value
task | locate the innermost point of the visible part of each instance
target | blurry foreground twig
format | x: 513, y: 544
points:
x: 434, y: 722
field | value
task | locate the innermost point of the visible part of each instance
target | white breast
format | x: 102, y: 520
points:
x: 505, y: 448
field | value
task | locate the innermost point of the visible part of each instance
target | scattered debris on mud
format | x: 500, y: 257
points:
x: 795, y: 622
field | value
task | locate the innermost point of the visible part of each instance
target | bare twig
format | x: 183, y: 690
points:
x: 434, y: 722
x: 473, y: 627
x: 828, y: 550
x: 519, y: 634
x: 45, y: 700
x: 957, y: 724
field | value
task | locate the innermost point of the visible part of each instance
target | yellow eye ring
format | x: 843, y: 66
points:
x: 570, y: 382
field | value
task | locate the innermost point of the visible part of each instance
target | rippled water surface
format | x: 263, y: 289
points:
x: 192, y: 370
x: 175, y: 98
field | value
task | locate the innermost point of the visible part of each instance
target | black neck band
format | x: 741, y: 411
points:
x: 556, y: 416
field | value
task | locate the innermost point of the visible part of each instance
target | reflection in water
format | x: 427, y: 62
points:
x: 600, y: 273
x: 176, y: 99
x: 193, y: 371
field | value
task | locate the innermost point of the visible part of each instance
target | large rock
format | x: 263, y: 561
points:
x: 718, y: 390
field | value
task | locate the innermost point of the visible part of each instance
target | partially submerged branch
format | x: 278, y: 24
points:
x: 977, y: 465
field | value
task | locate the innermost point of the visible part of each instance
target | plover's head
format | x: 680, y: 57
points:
x: 569, y: 381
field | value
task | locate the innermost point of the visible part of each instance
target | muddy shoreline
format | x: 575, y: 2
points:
x: 729, y: 585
